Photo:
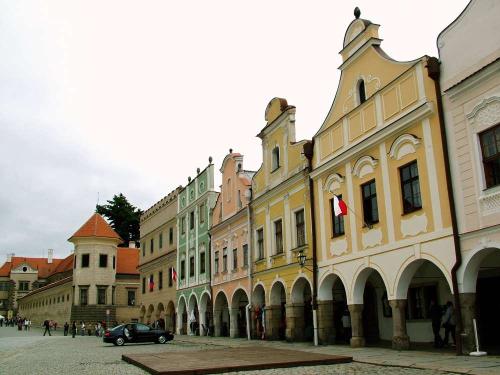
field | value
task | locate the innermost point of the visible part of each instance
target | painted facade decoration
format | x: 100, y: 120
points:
x: 281, y: 228
x: 194, y: 206
x: 158, y: 259
x: 469, y: 50
x: 380, y: 150
x: 231, y: 250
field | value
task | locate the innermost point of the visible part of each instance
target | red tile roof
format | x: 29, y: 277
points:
x: 65, y: 265
x: 96, y: 226
x: 41, y: 264
x: 127, y: 261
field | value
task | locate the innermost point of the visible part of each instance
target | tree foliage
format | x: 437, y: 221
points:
x: 123, y: 217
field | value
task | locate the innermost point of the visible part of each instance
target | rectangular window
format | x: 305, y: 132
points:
x: 183, y: 225
x: 202, y: 263
x: 85, y: 260
x: 300, y: 228
x: 103, y: 260
x: 202, y: 213
x: 410, y: 187
x: 370, y: 207
x: 240, y: 203
x: 170, y: 279
x: 216, y: 262
x: 131, y: 297
x: 160, y: 280
x: 171, y: 236
x: 84, y: 294
x: 143, y: 285
x: 143, y: 245
x: 224, y: 259
x: 24, y: 286
x: 337, y: 221
x: 191, y: 266
x: 101, y: 296
x: 183, y: 269
x: 235, y: 259
x: 490, y: 150
x: 191, y: 220
x: 275, y: 159
x: 114, y: 262
x: 74, y: 261
x: 245, y: 255
x: 278, y: 236
x: 152, y: 245
x: 260, y: 244
x: 419, y: 300
x: 113, y: 295
x: 160, y: 239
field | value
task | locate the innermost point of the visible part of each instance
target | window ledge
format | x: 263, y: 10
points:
x: 338, y: 236
x: 278, y: 255
x: 412, y: 211
x: 275, y: 169
x: 299, y: 248
x: 260, y: 261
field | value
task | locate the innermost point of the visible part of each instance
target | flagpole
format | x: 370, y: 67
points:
x: 354, y: 213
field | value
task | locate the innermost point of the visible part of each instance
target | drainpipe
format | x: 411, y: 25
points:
x: 210, y: 277
x: 308, y: 152
x: 433, y: 72
x: 248, y: 309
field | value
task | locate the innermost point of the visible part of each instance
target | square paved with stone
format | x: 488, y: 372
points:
x: 229, y: 359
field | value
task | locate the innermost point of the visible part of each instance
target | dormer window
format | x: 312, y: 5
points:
x: 275, y: 158
x: 361, y: 91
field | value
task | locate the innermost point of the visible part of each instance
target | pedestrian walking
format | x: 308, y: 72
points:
x: 435, y: 314
x: 66, y: 328
x: 449, y: 323
x: 46, y: 324
x: 73, y: 329
x: 82, y: 328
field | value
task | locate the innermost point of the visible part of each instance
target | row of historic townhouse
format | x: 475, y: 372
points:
x: 271, y: 257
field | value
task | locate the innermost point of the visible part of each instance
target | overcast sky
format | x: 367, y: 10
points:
x: 132, y: 97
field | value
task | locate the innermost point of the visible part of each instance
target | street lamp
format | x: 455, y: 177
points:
x: 301, y: 257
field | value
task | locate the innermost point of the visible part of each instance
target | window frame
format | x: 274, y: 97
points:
x: 409, y: 182
x: 278, y: 236
x: 160, y: 280
x: 245, y: 255
x: 216, y: 262
x: 296, y: 227
x: 192, y: 266
x: 87, y: 256
x: 371, y: 197
x: 275, y: 158
x: 203, y: 260
x: 235, y: 259
x: 489, y: 175
x: 260, y: 243
x: 102, y: 289
x: 337, y: 221
x: 101, y: 262
x: 224, y: 259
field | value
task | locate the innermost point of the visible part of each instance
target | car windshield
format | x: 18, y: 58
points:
x: 117, y: 327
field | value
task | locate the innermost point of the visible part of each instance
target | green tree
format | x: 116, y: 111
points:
x: 123, y: 217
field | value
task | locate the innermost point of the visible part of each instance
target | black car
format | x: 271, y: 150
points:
x: 136, y: 332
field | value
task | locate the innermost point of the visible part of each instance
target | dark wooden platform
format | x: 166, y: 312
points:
x: 216, y: 361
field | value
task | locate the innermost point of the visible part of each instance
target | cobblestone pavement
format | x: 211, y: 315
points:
x: 31, y: 353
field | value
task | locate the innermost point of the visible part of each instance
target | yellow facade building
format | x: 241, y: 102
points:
x: 380, y: 151
x: 280, y: 217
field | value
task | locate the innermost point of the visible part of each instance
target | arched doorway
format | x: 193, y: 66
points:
x: 182, y: 317
x: 238, y: 314
x: 299, y: 323
x: 206, y: 315
x: 160, y: 315
x: 422, y: 291
x: 149, y: 314
x: 275, y: 314
x: 221, y: 315
x: 334, y: 321
x: 170, y: 317
x: 479, y: 299
x: 193, y: 316
x: 258, y: 316
x: 370, y: 312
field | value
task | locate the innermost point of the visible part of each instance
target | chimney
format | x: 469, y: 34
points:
x: 50, y: 253
x: 131, y: 244
x: 9, y: 257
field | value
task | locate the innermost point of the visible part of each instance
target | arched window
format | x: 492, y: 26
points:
x: 361, y: 91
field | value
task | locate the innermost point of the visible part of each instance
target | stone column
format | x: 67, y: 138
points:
x: 468, y: 310
x: 358, y: 338
x: 233, y: 323
x: 217, y: 323
x: 272, y: 314
x: 179, y: 323
x: 326, y: 334
x: 294, y: 322
x: 400, y: 339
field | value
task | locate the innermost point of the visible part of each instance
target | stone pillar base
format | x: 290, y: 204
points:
x: 401, y: 342
x: 357, y: 342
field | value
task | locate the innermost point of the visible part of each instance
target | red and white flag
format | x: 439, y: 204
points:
x: 339, y: 207
x: 174, y: 274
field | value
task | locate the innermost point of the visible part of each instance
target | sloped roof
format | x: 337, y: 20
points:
x: 65, y: 265
x: 127, y: 261
x: 41, y: 264
x: 96, y: 226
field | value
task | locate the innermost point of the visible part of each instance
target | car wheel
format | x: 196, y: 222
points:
x: 119, y: 341
x: 162, y: 339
